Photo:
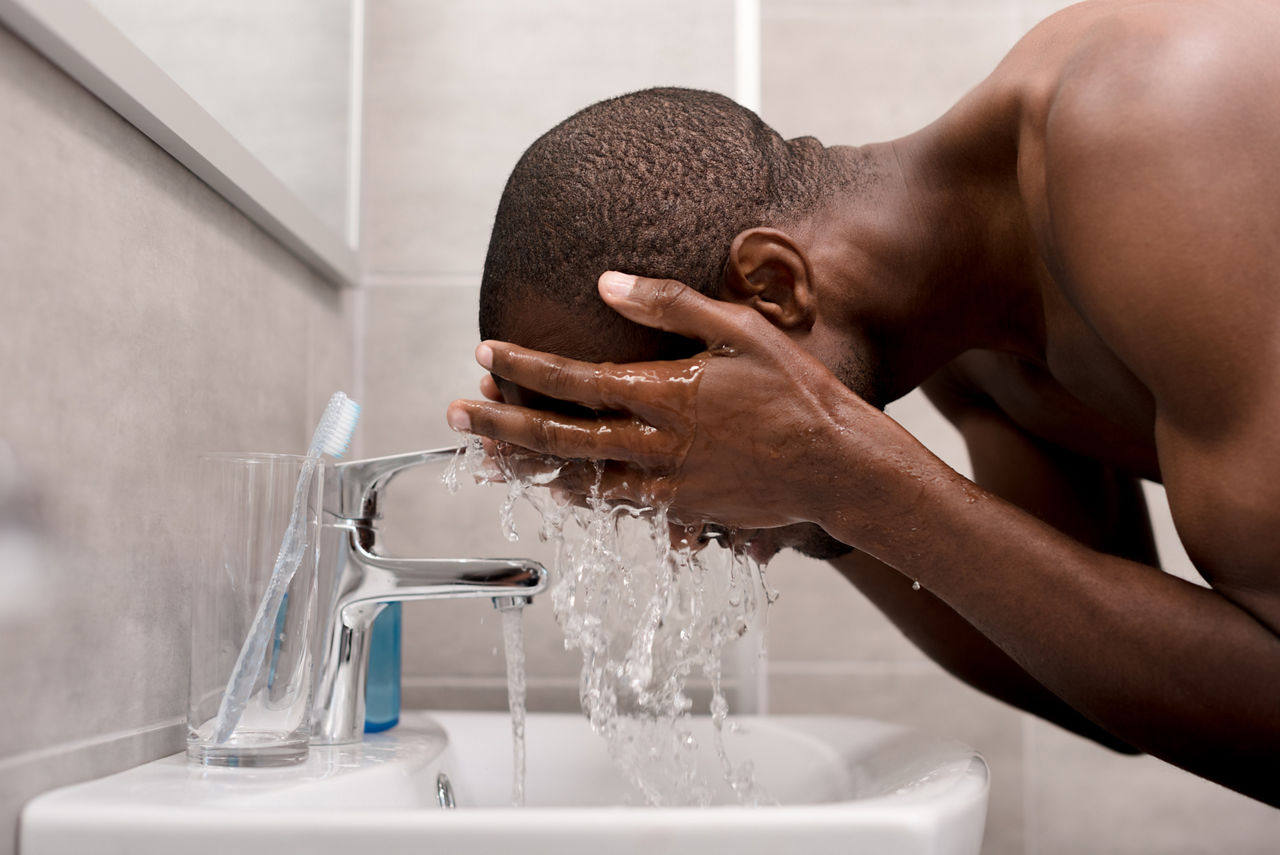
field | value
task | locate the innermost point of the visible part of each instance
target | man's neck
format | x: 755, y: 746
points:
x: 939, y: 244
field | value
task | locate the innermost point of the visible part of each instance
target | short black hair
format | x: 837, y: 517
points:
x: 655, y: 183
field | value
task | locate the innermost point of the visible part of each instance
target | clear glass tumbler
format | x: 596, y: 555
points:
x: 247, y: 503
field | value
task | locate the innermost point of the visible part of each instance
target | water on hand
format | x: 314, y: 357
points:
x: 646, y: 616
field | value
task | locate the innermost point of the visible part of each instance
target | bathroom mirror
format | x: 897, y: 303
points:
x: 259, y: 99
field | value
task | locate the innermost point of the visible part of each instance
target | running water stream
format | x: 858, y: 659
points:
x: 646, y: 615
x: 513, y: 646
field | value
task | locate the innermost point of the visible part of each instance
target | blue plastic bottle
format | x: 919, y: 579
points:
x: 382, y: 693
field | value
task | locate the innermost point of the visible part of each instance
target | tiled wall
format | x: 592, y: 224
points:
x: 145, y: 320
x: 455, y: 92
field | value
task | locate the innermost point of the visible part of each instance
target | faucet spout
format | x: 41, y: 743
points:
x: 364, y: 582
x: 385, y: 580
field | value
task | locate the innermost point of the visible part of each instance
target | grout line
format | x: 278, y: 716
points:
x: 805, y: 668
x: 51, y: 751
x: 746, y: 53
x: 359, y: 344
x: 355, y: 184
x: 396, y: 280
x: 478, y: 682
x: 355, y: 123
x: 496, y: 682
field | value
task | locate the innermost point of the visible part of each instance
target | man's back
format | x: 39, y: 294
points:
x: 1146, y: 141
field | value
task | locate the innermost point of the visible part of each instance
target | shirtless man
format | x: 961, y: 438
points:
x: 1079, y: 263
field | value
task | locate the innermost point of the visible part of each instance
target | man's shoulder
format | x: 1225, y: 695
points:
x: 1144, y: 70
x: 1160, y: 194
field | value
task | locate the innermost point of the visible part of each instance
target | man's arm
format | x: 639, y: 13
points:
x: 1171, y: 668
x: 952, y: 642
x: 1081, y: 497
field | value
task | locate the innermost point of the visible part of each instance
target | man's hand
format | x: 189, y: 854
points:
x: 741, y: 434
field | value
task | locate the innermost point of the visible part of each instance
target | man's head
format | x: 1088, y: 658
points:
x: 656, y: 183
x: 665, y: 183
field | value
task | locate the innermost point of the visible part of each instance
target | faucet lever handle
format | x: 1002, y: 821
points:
x: 357, y: 482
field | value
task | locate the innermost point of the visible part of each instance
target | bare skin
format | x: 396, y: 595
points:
x: 1078, y: 262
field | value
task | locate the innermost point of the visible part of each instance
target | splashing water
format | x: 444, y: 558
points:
x: 646, y: 615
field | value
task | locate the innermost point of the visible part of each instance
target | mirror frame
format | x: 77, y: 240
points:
x: 77, y: 38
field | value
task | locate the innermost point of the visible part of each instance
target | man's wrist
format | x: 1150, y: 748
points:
x: 886, y: 489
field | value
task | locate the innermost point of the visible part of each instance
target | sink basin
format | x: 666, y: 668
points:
x: 841, y: 785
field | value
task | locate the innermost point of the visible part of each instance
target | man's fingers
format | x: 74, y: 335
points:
x: 545, y: 373
x: 672, y: 306
x: 605, y: 438
x: 597, y: 386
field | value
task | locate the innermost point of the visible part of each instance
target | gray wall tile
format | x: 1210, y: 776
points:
x: 491, y: 694
x: 276, y: 75
x: 542, y: 694
x: 854, y: 73
x: 145, y: 321
x: 819, y: 616
x: 456, y: 91
x: 1033, y: 12
x: 1088, y: 799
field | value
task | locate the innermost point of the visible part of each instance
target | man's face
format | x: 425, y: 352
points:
x: 548, y: 328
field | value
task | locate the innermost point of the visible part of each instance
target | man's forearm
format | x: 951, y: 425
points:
x: 1171, y: 668
x: 953, y: 643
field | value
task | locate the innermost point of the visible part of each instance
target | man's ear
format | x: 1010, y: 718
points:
x: 770, y: 273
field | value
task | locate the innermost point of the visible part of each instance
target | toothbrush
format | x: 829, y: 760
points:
x: 332, y: 436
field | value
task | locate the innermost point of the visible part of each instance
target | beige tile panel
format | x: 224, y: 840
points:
x: 1088, y: 799
x: 489, y: 694
x: 925, y: 698
x: 852, y: 73
x: 419, y: 346
x: 1035, y: 11
x: 818, y: 615
x: 455, y: 92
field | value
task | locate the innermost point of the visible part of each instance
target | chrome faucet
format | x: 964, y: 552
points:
x: 363, y: 582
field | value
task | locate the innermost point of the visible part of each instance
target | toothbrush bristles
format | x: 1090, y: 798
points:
x: 336, y: 427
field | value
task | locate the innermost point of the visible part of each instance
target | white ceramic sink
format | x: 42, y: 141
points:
x: 842, y: 785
